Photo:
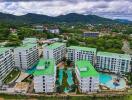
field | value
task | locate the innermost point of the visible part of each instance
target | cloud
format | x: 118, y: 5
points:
x: 105, y: 8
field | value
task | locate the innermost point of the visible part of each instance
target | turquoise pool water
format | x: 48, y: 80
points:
x: 107, y: 80
x: 60, y: 75
x: 104, y: 78
x: 70, y: 78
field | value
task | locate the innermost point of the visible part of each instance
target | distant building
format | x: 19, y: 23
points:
x: 6, y: 62
x: 45, y: 76
x: 90, y: 34
x: 113, y: 62
x: 26, y: 56
x: 54, y: 30
x: 56, y: 51
x: 39, y: 28
x: 29, y: 40
x: 88, y: 77
x: 81, y: 53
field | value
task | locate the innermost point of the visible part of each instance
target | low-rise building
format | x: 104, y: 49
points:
x: 81, y: 53
x: 6, y: 63
x: 21, y: 87
x: 87, y: 76
x: 55, y: 51
x: 45, y: 76
x: 90, y: 34
x: 26, y: 56
x: 113, y: 62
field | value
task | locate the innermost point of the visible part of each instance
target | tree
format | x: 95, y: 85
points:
x: 13, y: 40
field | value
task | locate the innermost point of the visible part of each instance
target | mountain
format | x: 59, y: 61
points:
x: 31, y: 18
x: 124, y: 21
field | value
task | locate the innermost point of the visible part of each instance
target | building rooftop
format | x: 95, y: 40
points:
x: 86, y: 69
x: 26, y: 46
x: 44, y: 67
x: 30, y: 40
x: 114, y: 55
x: 55, y: 45
x: 82, y: 48
x: 2, y: 50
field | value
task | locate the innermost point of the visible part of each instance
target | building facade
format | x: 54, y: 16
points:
x: 81, y: 53
x: 113, y: 62
x: 90, y: 34
x: 45, y: 76
x: 26, y: 56
x: 87, y: 76
x: 56, y: 51
x: 6, y: 62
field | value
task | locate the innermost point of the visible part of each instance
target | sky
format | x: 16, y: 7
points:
x: 114, y: 9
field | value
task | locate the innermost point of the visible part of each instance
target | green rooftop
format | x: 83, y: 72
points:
x: 26, y: 46
x: 2, y: 50
x: 83, y: 48
x: 55, y: 45
x: 86, y: 69
x: 114, y: 55
x: 43, y: 68
x: 30, y: 40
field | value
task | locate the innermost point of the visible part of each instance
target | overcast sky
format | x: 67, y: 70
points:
x: 107, y: 8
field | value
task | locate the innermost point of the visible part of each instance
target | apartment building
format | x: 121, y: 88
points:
x: 81, y: 53
x: 45, y: 76
x: 87, y: 76
x: 6, y: 62
x: 56, y: 51
x: 113, y: 62
x: 26, y: 56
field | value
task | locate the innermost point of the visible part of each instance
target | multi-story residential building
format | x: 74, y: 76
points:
x: 39, y: 28
x: 88, y: 77
x: 6, y: 62
x: 45, y: 76
x: 30, y: 40
x: 113, y: 62
x: 90, y: 34
x: 26, y: 56
x: 55, y: 51
x: 81, y: 53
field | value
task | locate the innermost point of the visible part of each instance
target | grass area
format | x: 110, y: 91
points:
x: 17, y: 97
x: 11, y: 76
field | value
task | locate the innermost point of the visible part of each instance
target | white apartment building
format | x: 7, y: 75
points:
x: 45, y: 76
x: 88, y: 77
x: 81, y: 53
x: 56, y: 51
x: 6, y: 62
x: 26, y: 56
x: 30, y: 40
x: 54, y: 30
x: 113, y: 62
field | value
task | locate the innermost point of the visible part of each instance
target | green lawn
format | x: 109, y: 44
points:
x: 9, y: 96
x: 13, y: 74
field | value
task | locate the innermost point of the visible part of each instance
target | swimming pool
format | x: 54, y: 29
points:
x: 70, y: 78
x: 60, y: 75
x: 108, y: 80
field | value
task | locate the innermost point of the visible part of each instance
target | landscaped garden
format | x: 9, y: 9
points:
x: 12, y: 76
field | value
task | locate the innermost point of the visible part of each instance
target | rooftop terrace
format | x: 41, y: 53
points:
x: 55, y: 45
x: 86, y: 69
x: 82, y: 48
x: 114, y: 55
x: 44, y: 67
